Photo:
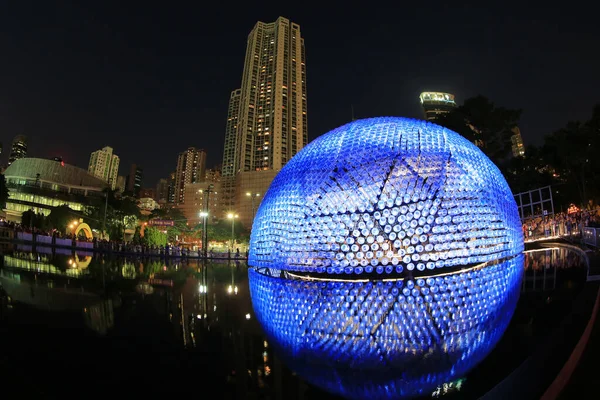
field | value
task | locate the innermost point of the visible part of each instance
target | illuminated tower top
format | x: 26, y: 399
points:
x: 436, y: 103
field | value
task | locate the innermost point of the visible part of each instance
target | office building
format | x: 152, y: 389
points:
x: 191, y: 168
x: 134, y: 180
x: 105, y: 165
x: 267, y: 117
x: 18, y: 149
x: 436, y: 103
x: 518, y: 149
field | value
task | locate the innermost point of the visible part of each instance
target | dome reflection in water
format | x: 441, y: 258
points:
x: 386, y: 338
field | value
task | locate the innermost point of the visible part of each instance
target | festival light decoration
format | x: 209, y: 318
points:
x: 387, y: 258
x: 385, y: 196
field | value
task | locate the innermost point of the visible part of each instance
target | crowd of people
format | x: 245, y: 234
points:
x: 122, y: 246
x: 561, y: 224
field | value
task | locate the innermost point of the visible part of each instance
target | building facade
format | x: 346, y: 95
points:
x: 105, y: 165
x: 436, y: 103
x: 518, y: 148
x: 191, y: 168
x: 18, y: 149
x: 267, y: 116
x: 171, y: 188
x: 40, y: 185
x: 202, y: 197
x: 134, y: 180
x: 121, y: 183
x: 162, y: 191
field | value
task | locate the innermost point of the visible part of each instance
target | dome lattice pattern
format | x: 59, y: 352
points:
x: 386, y: 196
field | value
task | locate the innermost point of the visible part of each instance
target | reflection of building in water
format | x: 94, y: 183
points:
x: 47, y: 294
x: 99, y: 317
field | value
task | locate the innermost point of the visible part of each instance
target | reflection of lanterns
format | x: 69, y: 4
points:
x: 144, y: 288
x: 386, y: 339
x: 128, y: 271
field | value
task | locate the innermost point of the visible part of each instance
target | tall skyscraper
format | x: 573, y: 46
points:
x: 436, y: 103
x: 267, y: 117
x: 105, y: 165
x: 162, y: 191
x: 229, y: 149
x: 134, y: 180
x: 121, y: 183
x: 18, y: 148
x: 191, y: 168
x: 518, y: 148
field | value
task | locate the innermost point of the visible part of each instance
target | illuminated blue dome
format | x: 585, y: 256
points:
x: 386, y: 195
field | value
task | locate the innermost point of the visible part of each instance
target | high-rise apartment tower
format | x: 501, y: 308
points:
x: 105, y: 165
x: 267, y: 117
x: 191, y: 168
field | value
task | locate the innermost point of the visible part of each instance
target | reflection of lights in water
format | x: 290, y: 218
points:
x: 144, y: 288
x: 387, y: 339
x: 128, y: 271
x: 232, y: 289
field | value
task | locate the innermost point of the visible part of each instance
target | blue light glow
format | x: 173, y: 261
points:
x: 386, y: 339
x: 422, y: 233
x: 386, y: 196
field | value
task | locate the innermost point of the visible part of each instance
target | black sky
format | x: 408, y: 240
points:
x: 151, y: 79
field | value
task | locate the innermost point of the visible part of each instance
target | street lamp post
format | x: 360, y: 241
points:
x: 232, y: 217
x: 204, y: 214
x: 252, y: 196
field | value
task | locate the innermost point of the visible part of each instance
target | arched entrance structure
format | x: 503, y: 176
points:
x: 87, y: 231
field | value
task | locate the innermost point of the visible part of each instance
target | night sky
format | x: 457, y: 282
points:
x: 151, y: 81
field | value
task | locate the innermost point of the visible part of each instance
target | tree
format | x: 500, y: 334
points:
x: 570, y: 152
x: 32, y: 219
x: 4, y: 194
x: 60, y: 217
x: 480, y: 121
x: 154, y: 237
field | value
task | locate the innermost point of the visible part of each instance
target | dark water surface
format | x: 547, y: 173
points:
x: 80, y: 325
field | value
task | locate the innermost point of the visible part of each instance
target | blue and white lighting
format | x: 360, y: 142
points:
x: 386, y: 339
x: 386, y: 196
x: 387, y: 259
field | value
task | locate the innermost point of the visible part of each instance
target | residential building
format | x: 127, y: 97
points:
x: 267, y: 117
x: 171, y: 188
x: 518, y: 148
x: 191, y: 168
x: 196, y: 197
x: 105, y: 165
